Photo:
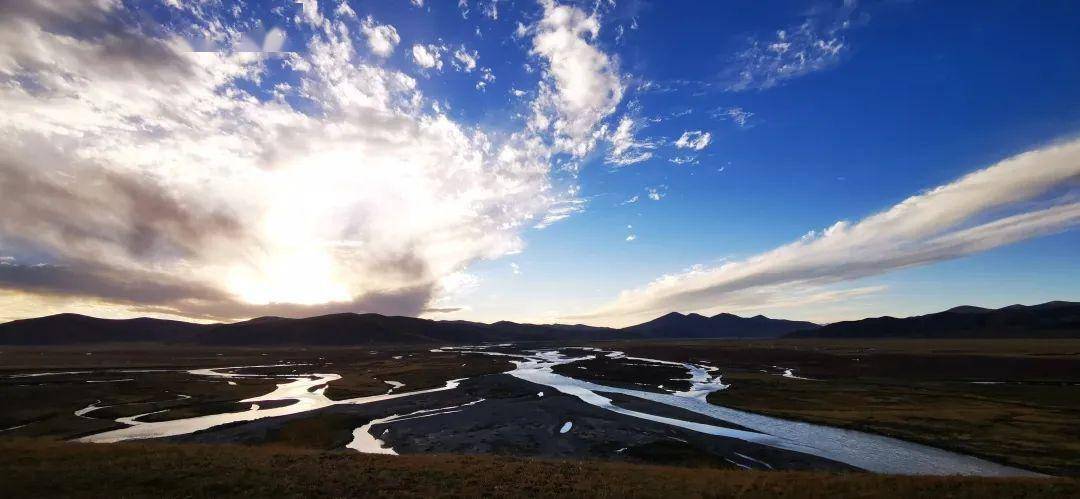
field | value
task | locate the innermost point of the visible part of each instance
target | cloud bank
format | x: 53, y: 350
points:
x: 138, y: 171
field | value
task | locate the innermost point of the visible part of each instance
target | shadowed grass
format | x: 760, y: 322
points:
x: 1028, y: 426
x: 928, y: 391
x: 49, y: 469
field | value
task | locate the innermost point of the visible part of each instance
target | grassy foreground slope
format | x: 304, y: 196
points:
x: 38, y: 468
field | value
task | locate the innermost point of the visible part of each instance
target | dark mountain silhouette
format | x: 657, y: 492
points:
x: 1056, y: 319
x: 334, y: 329
x: 1053, y: 319
x: 370, y: 329
x: 676, y: 325
x: 359, y: 329
x: 968, y: 309
x: 65, y: 329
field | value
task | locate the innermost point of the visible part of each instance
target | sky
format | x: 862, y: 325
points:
x: 601, y: 162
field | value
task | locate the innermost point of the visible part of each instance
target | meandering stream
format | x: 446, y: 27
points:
x: 306, y: 391
x: 862, y: 450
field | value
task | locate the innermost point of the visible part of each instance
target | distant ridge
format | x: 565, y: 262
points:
x: 333, y: 329
x: 968, y: 309
x: 66, y: 329
x: 676, y: 325
x: 1055, y: 319
x: 371, y: 329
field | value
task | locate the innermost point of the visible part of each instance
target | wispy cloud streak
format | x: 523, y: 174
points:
x: 1025, y: 196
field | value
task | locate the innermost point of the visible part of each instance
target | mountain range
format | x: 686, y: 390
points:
x: 1053, y: 319
x: 364, y: 329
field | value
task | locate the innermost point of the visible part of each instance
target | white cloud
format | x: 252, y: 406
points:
x: 1016, y: 199
x: 560, y: 211
x: 309, y: 9
x: 417, y: 3
x: 813, y: 45
x: 631, y: 237
x: 451, y: 289
x: 343, y: 10
x: 736, y: 114
x: 625, y: 149
x: 465, y: 60
x: 651, y: 86
x: 696, y: 140
x: 427, y: 57
x: 127, y: 157
x: 581, y: 83
x: 684, y: 160
x: 515, y: 269
x: 490, y: 9
x: 486, y: 76
x: 381, y: 38
x: 274, y: 40
x: 656, y: 193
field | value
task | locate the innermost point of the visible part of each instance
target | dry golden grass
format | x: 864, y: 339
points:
x: 52, y: 469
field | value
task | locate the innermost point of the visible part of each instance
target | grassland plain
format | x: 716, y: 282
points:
x: 35, y: 468
x: 1015, y: 402
x: 151, y: 378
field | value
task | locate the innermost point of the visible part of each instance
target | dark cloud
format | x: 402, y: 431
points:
x: 125, y: 53
x: 128, y: 287
x: 118, y: 45
x: 155, y: 293
x: 58, y: 14
x: 156, y: 217
x: 102, y: 209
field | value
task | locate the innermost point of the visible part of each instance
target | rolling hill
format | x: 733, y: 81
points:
x: 66, y: 329
x: 676, y: 325
x: 1056, y: 319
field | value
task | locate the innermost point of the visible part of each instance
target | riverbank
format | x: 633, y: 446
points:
x: 1008, y: 401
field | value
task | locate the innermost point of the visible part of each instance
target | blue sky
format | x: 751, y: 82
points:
x: 599, y: 162
x: 918, y: 99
